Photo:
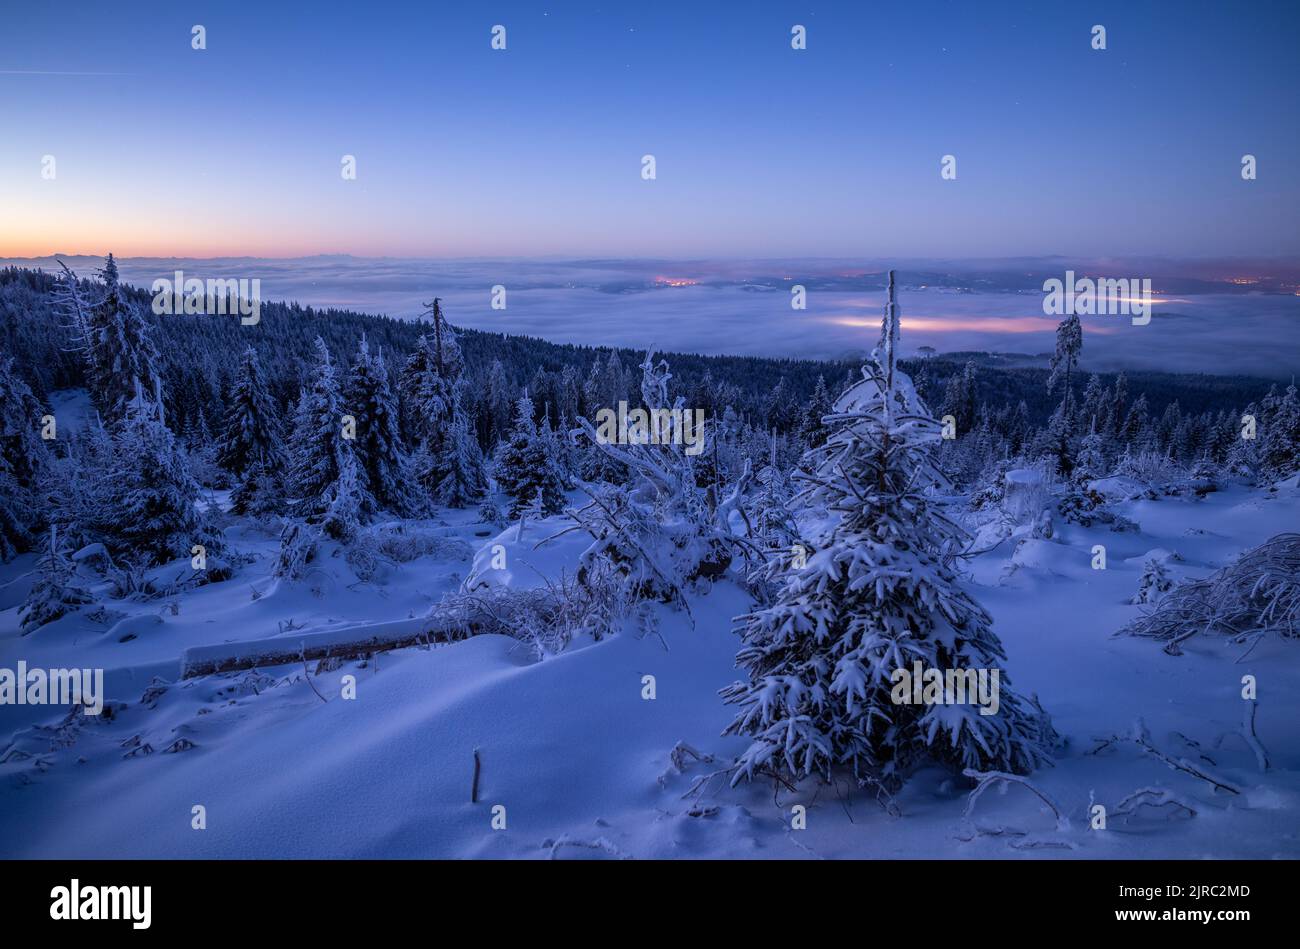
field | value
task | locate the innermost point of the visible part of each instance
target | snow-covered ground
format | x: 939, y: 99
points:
x: 578, y: 757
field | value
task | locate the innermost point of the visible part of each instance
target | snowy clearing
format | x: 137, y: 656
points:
x: 585, y: 766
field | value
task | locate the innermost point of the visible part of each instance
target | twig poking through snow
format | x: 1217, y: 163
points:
x: 1248, y: 732
x: 303, y: 655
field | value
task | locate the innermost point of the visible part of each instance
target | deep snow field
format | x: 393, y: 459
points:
x: 581, y: 762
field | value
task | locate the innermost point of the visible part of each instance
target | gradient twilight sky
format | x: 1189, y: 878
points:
x: 761, y: 150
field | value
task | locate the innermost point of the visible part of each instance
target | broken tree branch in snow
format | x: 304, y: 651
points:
x: 678, y: 763
x: 1151, y: 797
x: 1142, y: 739
x: 988, y: 778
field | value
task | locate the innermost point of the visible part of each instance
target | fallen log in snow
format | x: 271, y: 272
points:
x: 351, y: 642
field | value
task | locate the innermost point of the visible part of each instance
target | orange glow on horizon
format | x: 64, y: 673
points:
x: 957, y: 324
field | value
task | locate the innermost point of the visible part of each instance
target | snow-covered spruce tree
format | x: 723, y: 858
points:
x: 462, y: 481
x: 202, y: 450
x: 1243, y: 457
x: 427, y: 382
x: 56, y: 591
x: 876, y: 595
x: 145, y: 506
x: 959, y: 399
x: 771, y: 526
x: 251, y: 445
x: 345, y: 504
x: 368, y: 398
x: 325, y: 484
x: 812, y: 431
x: 72, y: 305
x: 562, y: 450
x: 1057, y: 440
x: 1279, y: 447
x: 990, y: 487
x: 1079, y: 502
x: 1091, y: 461
x: 662, y: 529
x: 1154, y: 583
x: 769, y: 512
x: 119, y: 351
x: 74, y: 487
x: 523, y: 465
x: 23, y: 460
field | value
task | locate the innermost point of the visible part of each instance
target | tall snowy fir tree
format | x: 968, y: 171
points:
x: 432, y: 396
x: 119, y: 351
x: 1057, y: 442
x: 326, y: 486
x: 251, y: 446
x: 456, y: 478
x: 428, y: 380
x: 368, y: 397
x: 876, y: 595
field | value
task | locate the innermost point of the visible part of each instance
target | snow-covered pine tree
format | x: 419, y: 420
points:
x: 74, y: 487
x: 876, y: 595
x: 426, y: 386
x: 23, y: 459
x: 489, y: 513
x: 664, y: 528
x: 251, y: 430
x: 460, y: 468
x: 72, y: 306
x: 1154, y: 583
x: 319, y: 454
x: 812, y: 431
x: 1243, y: 458
x: 251, y: 445
x: 369, y: 399
x: 1078, y: 501
x: 1057, y: 442
x: 959, y: 399
x: 1279, y: 447
x: 146, y: 503
x: 561, y: 451
x: 773, y: 524
x: 523, y: 465
x: 56, y: 591
x: 202, y: 450
x: 771, y: 527
x: 118, y: 348
x: 497, y: 406
x: 344, y: 501
x: 1090, y: 464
